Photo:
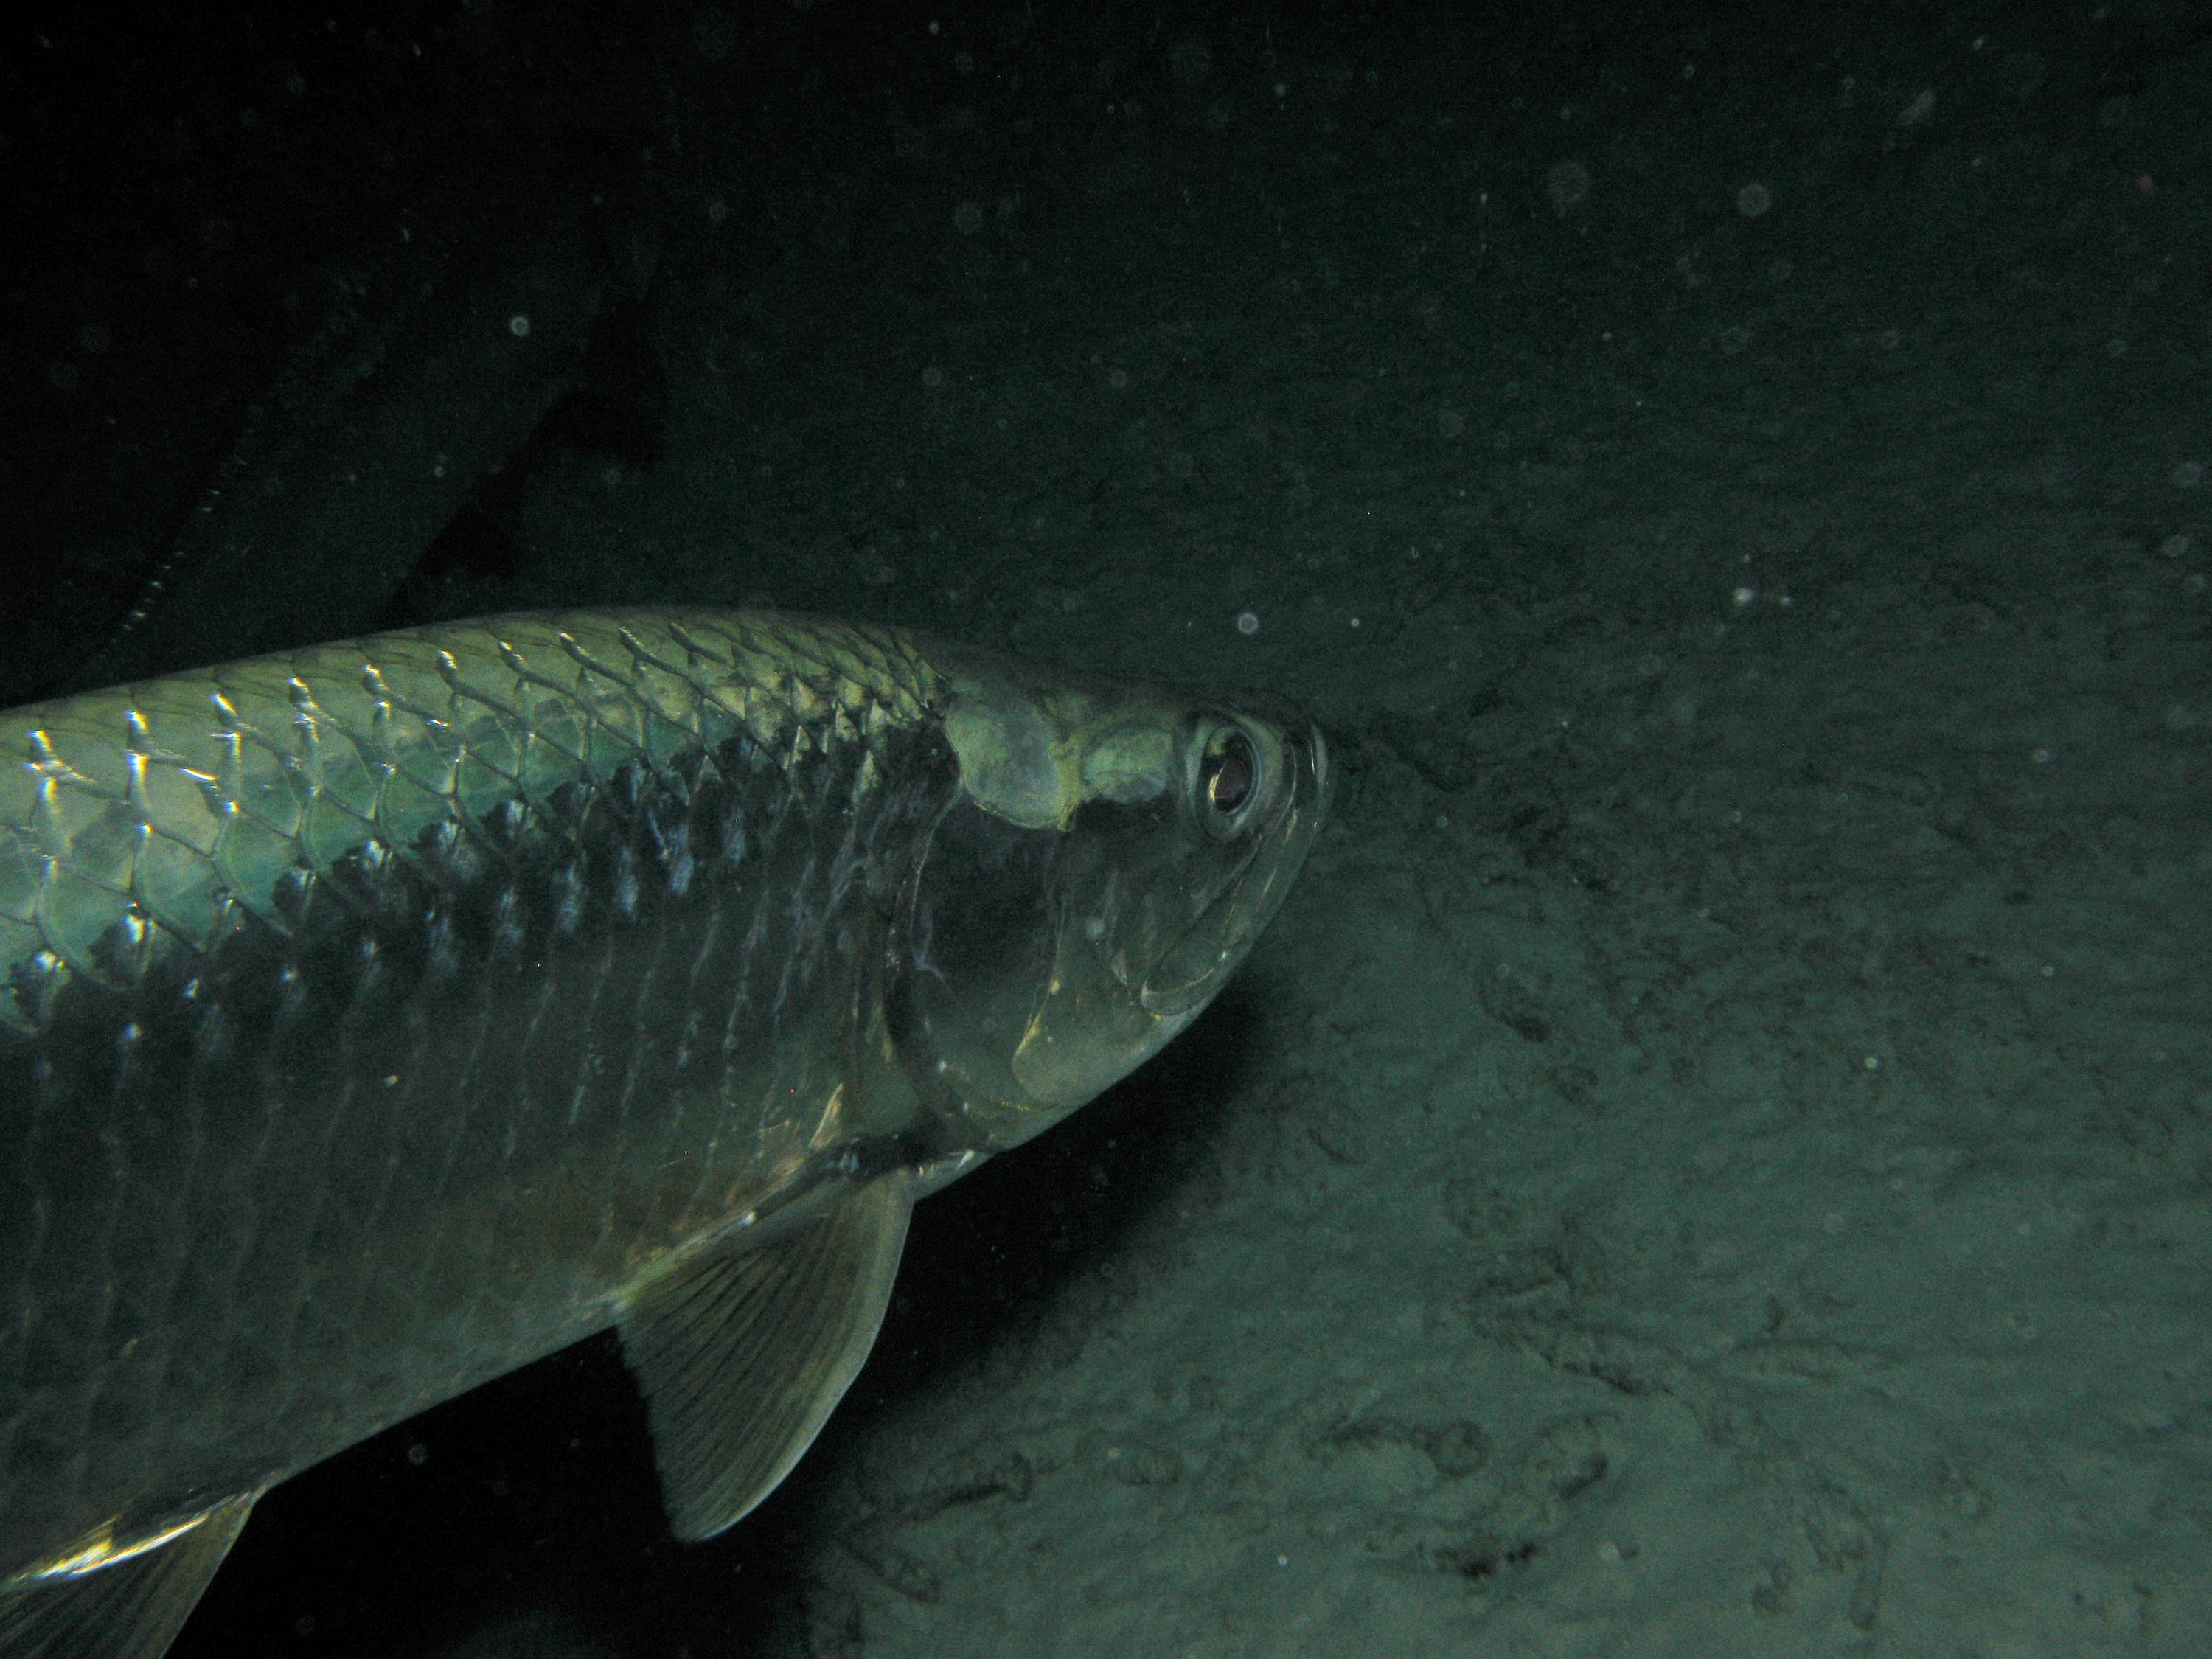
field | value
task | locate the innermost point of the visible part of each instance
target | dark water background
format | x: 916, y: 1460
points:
x: 1608, y: 416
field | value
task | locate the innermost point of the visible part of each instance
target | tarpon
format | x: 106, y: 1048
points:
x: 377, y: 1017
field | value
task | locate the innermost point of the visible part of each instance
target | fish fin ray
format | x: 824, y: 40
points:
x: 744, y: 1353
x: 130, y: 1610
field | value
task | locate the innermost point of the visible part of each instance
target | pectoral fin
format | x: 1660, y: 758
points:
x: 130, y: 1608
x: 744, y: 1353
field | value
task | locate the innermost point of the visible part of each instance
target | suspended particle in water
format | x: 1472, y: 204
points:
x: 1567, y: 186
x: 1753, y: 200
x: 518, y: 325
x: 2021, y: 73
x: 1248, y: 623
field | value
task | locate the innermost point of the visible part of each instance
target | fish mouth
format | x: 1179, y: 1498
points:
x: 1192, y: 969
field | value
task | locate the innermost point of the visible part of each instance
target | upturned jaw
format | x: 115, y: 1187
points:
x: 1112, y: 855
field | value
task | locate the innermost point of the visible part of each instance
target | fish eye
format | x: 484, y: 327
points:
x: 1228, y: 776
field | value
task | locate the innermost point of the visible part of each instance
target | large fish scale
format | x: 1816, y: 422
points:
x: 262, y: 1202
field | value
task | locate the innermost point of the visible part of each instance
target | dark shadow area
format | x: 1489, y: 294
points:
x: 616, y: 405
x: 987, y: 1256
x: 467, y: 567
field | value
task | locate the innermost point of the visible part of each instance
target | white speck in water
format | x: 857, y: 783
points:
x: 1567, y: 186
x: 1248, y: 623
x: 519, y: 325
x: 1744, y: 596
x: 1753, y: 200
x: 1190, y: 61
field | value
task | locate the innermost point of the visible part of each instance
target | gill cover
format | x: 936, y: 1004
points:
x: 1111, y: 857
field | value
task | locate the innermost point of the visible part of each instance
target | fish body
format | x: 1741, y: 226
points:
x: 377, y: 1017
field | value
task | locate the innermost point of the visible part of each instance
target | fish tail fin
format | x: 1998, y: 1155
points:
x: 130, y: 1608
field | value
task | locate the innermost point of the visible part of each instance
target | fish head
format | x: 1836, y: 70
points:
x: 1110, y: 857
